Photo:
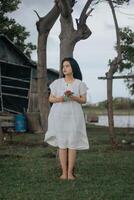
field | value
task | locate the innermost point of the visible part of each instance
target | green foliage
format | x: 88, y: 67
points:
x: 103, y: 104
x: 120, y: 2
x: 119, y: 103
x: 14, y: 31
x: 127, y: 51
x: 8, y: 6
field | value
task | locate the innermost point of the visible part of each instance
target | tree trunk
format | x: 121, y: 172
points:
x: 66, y: 48
x: 109, y: 74
x: 42, y: 81
x: 44, y: 26
x: 66, y: 39
x: 110, y: 110
x: 69, y: 36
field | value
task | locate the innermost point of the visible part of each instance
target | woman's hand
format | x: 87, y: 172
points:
x: 55, y: 99
x: 80, y: 99
x: 73, y: 98
x: 60, y: 99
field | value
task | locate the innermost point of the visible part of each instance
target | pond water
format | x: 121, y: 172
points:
x: 119, y: 120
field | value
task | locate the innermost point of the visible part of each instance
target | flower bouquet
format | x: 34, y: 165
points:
x: 67, y: 95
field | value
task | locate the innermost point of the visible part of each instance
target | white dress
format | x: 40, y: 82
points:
x: 66, y: 122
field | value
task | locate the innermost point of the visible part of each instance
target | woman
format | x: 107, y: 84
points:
x: 66, y: 123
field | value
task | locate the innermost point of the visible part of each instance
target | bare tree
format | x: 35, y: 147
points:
x: 69, y: 36
x: 44, y: 26
x: 113, y: 68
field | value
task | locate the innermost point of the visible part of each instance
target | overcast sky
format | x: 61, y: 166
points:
x: 92, y: 54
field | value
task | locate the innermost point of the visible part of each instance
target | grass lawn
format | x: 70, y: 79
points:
x: 29, y: 170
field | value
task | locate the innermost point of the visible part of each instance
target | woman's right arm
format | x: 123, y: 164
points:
x: 54, y: 99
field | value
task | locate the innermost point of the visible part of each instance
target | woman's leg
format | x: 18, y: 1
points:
x: 63, y: 162
x: 71, y: 162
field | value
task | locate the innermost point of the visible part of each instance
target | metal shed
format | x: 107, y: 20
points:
x: 17, y: 75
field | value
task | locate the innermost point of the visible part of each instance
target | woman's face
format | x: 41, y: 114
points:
x: 67, y: 69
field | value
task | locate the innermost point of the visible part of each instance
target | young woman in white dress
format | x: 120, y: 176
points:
x: 66, y: 122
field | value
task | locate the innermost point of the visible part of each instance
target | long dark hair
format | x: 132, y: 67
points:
x: 75, y: 68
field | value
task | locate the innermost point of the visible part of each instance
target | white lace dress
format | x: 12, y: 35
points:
x: 66, y: 122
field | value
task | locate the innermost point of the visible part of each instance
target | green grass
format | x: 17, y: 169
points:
x: 29, y: 170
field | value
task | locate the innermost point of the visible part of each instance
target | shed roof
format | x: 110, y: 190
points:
x: 5, y: 41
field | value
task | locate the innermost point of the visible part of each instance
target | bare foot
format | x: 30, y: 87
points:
x: 71, y: 177
x: 63, y: 177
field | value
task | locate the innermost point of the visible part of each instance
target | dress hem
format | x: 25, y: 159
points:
x: 77, y: 148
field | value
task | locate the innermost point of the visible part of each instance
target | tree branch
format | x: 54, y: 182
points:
x: 48, y: 19
x: 65, y: 7
x: 118, y: 59
x: 37, y: 14
x: 73, y: 2
x: 83, y: 31
x: 84, y: 14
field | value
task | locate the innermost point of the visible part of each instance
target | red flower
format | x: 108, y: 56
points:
x: 68, y: 92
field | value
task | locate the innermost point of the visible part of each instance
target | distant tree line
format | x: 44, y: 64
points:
x: 119, y: 103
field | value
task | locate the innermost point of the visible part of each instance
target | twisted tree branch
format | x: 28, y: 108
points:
x: 84, y: 14
x: 83, y: 31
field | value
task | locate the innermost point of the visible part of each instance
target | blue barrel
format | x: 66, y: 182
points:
x: 20, y: 123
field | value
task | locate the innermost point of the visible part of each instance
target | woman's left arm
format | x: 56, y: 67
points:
x: 80, y: 99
